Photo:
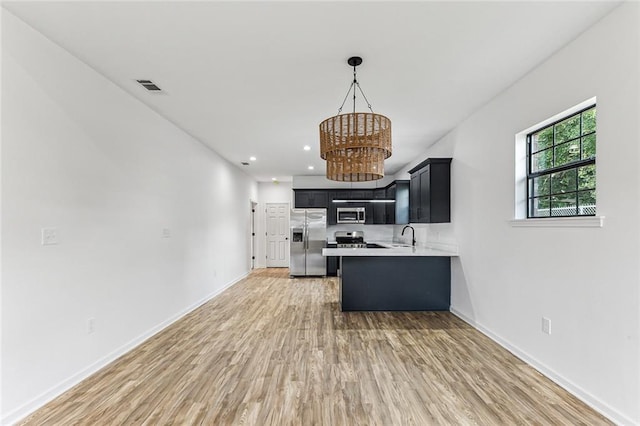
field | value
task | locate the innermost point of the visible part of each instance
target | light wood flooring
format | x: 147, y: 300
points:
x: 278, y: 351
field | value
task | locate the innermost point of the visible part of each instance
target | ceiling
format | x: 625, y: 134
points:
x: 256, y: 78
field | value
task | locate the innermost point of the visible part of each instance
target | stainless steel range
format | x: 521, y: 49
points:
x: 350, y: 239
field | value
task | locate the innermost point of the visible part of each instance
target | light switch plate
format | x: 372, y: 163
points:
x: 546, y: 325
x: 166, y: 233
x: 49, y: 236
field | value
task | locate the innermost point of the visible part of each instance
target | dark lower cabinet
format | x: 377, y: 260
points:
x: 430, y: 191
x: 393, y: 283
x: 332, y: 263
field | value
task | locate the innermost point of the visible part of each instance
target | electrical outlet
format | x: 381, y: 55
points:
x: 49, y: 236
x: 166, y: 233
x: 546, y: 325
x: 91, y: 325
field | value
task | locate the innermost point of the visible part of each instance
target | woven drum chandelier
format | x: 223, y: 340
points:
x: 356, y: 144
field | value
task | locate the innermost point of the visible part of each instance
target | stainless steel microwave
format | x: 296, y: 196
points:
x: 350, y: 214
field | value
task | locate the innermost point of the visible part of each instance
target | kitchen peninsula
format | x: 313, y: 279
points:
x: 394, y: 277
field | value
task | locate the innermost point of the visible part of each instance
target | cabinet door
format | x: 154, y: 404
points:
x: 304, y: 199
x: 343, y: 195
x: 401, y: 206
x: 414, y: 197
x: 332, y: 217
x: 301, y: 199
x: 360, y: 194
x: 332, y: 263
x: 319, y: 199
x: 440, y: 193
x: 430, y: 191
x: 390, y: 208
x: 379, y: 209
x: 424, y: 207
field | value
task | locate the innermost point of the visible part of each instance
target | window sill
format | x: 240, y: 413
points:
x: 559, y: 222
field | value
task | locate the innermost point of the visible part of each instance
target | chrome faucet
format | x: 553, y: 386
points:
x: 413, y: 234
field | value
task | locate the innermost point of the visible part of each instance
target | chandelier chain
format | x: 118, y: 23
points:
x: 345, y: 98
x: 353, y: 85
x: 364, y: 96
x: 355, y: 81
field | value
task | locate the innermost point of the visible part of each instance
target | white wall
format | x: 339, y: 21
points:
x: 81, y: 155
x: 268, y: 192
x: 586, y: 280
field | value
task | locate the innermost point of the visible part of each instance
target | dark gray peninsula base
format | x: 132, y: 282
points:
x: 380, y: 283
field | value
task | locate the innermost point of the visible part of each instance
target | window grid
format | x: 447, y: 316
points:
x: 574, y: 191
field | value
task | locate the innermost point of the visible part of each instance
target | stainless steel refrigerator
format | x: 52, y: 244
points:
x: 308, y: 238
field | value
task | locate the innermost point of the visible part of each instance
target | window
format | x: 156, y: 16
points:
x: 561, y: 167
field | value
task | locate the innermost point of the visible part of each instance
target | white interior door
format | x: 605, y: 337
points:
x: 277, y: 235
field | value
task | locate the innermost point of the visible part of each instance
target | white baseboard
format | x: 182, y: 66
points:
x: 55, y: 391
x: 568, y: 385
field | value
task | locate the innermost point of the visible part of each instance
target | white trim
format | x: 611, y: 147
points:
x: 559, y: 222
x: 559, y: 116
x: 586, y: 397
x: 520, y: 161
x: 28, y: 408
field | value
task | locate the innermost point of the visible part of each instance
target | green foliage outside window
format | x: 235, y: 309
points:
x: 562, y: 172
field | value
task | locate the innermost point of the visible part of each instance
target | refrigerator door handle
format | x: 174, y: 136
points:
x: 306, y: 238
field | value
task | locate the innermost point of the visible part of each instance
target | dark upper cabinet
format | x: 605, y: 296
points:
x: 353, y: 194
x: 379, y: 209
x: 398, y: 212
x: 430, y: 191
x: 310, y: 199
x: 376, y: 213
x: 338, y: 194
x: 390, y: 208
x: 332, y: 217
x: 360, y: 194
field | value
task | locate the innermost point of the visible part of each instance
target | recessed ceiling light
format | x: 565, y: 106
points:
x: 310, y: 167
x: 307, y: 148
x: 274, y: 179
x: 252, y: 158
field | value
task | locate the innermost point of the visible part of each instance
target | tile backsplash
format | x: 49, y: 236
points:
x: 371, y: 232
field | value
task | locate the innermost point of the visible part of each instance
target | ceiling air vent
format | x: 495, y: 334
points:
x: 149, y: 85
x: 244, y: 163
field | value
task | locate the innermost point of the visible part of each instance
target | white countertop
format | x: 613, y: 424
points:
x: 391, y: 249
